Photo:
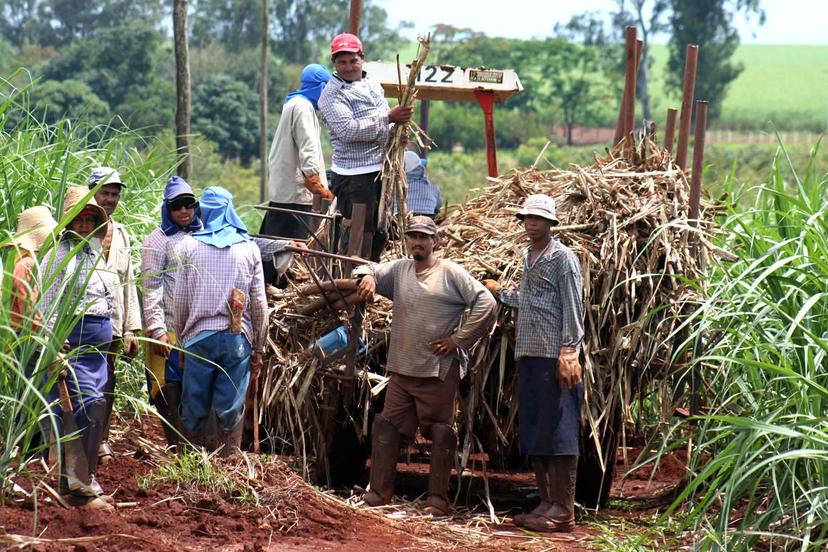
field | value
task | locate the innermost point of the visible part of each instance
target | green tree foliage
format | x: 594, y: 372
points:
x: 121, y: 65
x: 226, y: 112
x: 54, y: 100
x: 708, y: 23
x: 57, y: 22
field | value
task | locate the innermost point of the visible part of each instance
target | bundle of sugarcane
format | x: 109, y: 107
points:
x: 394, y: 184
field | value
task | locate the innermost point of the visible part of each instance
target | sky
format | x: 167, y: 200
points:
x: 786, y: 21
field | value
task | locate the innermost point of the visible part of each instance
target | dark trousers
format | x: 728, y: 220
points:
x: 365, y: 189
x: 284, y: 225
x: 420, y: 402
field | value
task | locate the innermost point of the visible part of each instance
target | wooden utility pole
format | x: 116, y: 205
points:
x: 263, y: 103
x: 355, y: 17
x: 182, y: 88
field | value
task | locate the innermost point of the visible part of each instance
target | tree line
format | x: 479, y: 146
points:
x: 112, y: 61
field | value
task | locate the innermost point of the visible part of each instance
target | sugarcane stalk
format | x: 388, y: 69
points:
x: 393, y: 175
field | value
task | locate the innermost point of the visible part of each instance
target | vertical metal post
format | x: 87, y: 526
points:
x: 670, y: 129
x: 693, y: 216
x: 486, y: 100
x: 424, y: 107
x: 621, y: 130
x: 690, y: 65
x: 355, y: 17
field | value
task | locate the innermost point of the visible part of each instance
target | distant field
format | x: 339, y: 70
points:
x: 784, y: 84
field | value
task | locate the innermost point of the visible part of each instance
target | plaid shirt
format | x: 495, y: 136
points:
x: 94, y: 286
x: 159, y: 263
x: 423, y: 196
x: 549, y: 303
x: 203, y: 286
x: 356, y: 114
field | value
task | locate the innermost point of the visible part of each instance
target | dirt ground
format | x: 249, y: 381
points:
x: 288, y: 514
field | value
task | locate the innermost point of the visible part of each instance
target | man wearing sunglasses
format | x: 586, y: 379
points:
x: 159, y: 265
x: 126, y: 311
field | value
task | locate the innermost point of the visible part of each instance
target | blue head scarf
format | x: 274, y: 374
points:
x: 177, y: 186
x: 222, y: 226
x: 314, y: 79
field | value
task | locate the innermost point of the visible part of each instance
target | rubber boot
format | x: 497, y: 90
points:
x: 229, y: 440
x: 563, y: 471
x: 560, y: 517
x: 542, y: 480
x: 443, y: 449
x: 105, y: 452
x: 93, y: 420
x: 168, y: 402
x: 385, y: 449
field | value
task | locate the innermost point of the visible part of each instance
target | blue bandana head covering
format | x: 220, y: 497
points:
x: 314, y: 79
x: 177, y: 186
x: 222, y: 226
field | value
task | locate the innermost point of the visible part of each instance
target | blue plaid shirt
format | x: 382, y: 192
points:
x: 549, y: 302
x: 423, y: 196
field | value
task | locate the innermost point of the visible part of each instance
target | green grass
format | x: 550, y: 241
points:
x: 200, y: 470
x: 785, y: 84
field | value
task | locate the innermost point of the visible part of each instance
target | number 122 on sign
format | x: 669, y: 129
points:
x: 435, y: 74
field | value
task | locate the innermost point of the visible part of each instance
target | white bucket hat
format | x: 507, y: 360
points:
x: 34, y: 225
x: 107, y: 174
x: 540, y: 205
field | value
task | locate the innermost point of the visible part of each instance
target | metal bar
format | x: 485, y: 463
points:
x: 355, y: 17
x: 629, y: 111
x: 670, y: 129
x: 486, y: 100
x: 629, y: 74
x: 698, y: 163
x: 278, y: 238
x: 294, y: 212
x: 690, y: 65
x: 316, y: 253
x: 424, y: 109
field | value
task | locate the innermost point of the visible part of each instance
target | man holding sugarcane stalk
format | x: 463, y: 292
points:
x: 548, y: 335
x: 354, y: 108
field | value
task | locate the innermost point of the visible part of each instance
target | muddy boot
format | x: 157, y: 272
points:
x: 91, y: 495
x: 385, y: 449
x: 443, y: 448
x: 105, y: 449
x: 167, y: 403
x: 229, y: 440
x: 542, y: 480
x: 563, y: 472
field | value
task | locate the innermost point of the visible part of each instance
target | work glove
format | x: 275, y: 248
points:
x: 493, y: 286
x: 314, y: 185
x: 569, y: 367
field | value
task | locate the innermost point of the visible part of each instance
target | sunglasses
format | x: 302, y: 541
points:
x: 181, y: 203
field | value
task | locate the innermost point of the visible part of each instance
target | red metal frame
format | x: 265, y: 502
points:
x: 486, y: 100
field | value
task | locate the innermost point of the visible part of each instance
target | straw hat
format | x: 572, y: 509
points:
x: 34, y: 225
x: 74, y: 196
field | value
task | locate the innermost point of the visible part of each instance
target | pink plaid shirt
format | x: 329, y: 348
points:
x: 203, y: 286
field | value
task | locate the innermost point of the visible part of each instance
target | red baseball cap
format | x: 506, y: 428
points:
x: 345, y: 42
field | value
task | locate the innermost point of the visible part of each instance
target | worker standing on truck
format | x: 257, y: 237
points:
x: 297, y: 168
x: 548, y: 335
x: 354, y: 108
x: 426, y: 357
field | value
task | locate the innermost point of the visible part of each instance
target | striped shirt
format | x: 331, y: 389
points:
x: 356, y: 114
x: 126, y: 311
x: 429, y: 306
x: 549, y: 303
x: 82, y: 281
x: 203, y: 286
x: 423, y: 196
x: 159, y: 264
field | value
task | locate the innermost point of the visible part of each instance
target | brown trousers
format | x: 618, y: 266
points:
x: 421, y: 402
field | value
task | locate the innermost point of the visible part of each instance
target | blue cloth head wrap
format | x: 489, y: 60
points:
x: 222, y: 226
x: 314, y: 79
x: 177, y: 186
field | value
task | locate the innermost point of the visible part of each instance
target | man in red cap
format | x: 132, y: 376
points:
x: 359, y: 120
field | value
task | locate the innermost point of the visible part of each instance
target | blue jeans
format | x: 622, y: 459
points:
x: 217, y: 380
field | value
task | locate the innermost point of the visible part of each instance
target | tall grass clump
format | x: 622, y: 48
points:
x: 760, y: 458
x: 37, y: 163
